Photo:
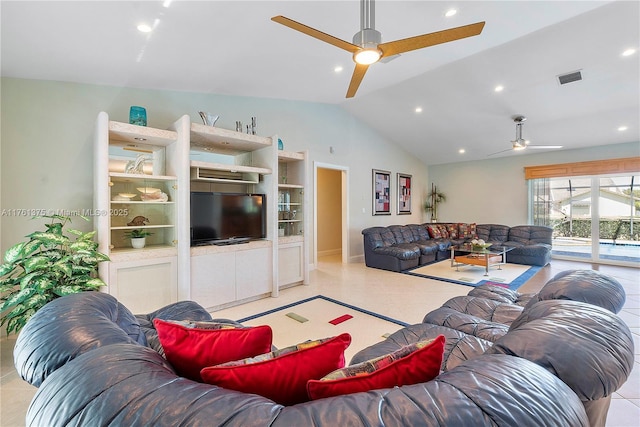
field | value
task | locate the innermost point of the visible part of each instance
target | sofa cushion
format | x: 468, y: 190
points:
x: 419, y: 232
x: 282, y: 375
x: 411, y: 364
x: 530, y: 234
x: 401, y: 233
x: 190, y: 346
x: 493, y: 233
x: 403, y: 251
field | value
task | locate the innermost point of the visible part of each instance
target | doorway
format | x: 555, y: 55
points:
x: 330, y: 212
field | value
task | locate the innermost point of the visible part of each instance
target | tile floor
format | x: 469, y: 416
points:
x: 402, y: 297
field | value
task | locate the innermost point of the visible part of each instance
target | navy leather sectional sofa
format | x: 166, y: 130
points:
x: 554, y: 361
x: 401, y: 247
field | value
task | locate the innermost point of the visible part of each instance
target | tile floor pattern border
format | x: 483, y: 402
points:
x: 399, y: 296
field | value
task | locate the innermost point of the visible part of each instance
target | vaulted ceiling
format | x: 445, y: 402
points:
x: 232, y: 47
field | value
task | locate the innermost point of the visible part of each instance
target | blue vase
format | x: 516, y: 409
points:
x: 138, y: 116
x: 280, y: 144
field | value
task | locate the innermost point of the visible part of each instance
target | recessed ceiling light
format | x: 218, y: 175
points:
x: 167, y: 3
x: 622, y: 128
x: 144, y: 28
x: 449, y: 13
x: 629, y: 52
x: 462, y: 151
x: 499, y: 88
x: 418, y: 110
x: 338, y: 69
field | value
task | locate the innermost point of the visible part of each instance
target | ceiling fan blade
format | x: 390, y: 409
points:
x: 327, y: 38
x: 543, y: 147
x: 498, y: 152
x: 356, y: 79
x: 431, y: 39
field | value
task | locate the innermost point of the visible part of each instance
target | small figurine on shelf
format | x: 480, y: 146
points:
x: 136, y: 166
x: 138, y: 221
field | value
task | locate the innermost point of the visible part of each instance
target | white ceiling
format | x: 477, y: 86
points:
x: 232, y: 47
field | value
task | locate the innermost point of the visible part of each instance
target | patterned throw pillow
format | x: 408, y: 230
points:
x: 434, y: 232
x: 452, y: 230
x: 443, y: 231
x: 191, y: 346
x: 467, y: 231
x: 281, y: 375
x: 412, y: 364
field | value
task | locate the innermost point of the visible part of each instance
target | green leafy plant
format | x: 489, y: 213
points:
x: 47, y: 266
x: 137, y: 233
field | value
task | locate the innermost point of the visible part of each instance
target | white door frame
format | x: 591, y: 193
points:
x: 345, y: 209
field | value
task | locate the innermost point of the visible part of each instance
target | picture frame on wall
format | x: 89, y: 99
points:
x: 404, y: 194
x: 381, y: 192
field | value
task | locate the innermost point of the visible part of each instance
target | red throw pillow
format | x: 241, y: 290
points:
x: 282, y: 375
x: 412, y: 364
x: 191, y: 346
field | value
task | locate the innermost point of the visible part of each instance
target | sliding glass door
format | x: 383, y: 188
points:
x: 593, y: 218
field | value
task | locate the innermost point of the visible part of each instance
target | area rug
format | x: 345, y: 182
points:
x: 322, y: 317
x: 510, y: 276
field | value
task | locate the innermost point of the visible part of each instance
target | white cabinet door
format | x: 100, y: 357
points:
x: 253, y: 272
x: 290, y: 265
x: 145, y: 285
x: 213, y: 279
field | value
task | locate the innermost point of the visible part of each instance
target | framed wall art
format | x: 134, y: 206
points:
x: 381, y: 192
x: 404, y: 194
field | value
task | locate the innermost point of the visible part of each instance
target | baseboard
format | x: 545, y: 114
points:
x: 330, y: 252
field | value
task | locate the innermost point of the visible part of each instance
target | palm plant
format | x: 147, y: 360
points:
x: 47, y: 266
x: 433, y: 199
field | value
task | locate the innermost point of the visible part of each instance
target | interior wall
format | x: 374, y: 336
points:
x: 47, y: 146
x: 329, y: 211
x: 495, y: 191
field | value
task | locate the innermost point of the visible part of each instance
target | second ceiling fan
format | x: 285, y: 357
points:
x: 367, y: 47
x: 520, y: 143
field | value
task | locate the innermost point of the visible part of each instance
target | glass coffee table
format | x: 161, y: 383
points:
x: 467, y: 254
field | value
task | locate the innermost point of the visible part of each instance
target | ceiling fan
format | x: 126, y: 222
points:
x: 367, y: 47
x: 520, y: 143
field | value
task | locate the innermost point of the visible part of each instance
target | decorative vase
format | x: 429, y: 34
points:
x: 138, y: 242
x: 280, y: 144
x: 138, y: 116
x: 208, y: 119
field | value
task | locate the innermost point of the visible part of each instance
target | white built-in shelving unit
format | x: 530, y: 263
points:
x: 193, y: 157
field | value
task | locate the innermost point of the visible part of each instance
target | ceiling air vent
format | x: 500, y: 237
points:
x: 570, y: 77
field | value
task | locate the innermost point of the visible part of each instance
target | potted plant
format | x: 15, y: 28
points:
x: 138, y: 237
x: 433, y: 199
x: 47, y: 266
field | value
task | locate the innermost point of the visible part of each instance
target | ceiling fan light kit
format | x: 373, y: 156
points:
x: 367, y: 47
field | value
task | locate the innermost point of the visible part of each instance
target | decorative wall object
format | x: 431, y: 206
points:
x: 381, y: 192
x: 404, y: 194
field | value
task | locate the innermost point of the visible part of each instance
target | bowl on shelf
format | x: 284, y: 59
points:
x: 148, y: 190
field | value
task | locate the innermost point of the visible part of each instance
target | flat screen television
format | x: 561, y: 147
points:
x: 226, y: 218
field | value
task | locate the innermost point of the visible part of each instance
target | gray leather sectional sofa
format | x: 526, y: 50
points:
x: 401, y: 247
x: 550, y: 363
